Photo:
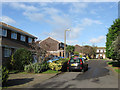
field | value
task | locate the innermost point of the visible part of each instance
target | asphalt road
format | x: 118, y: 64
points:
x: 97, y: 76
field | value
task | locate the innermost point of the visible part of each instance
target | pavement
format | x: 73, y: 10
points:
x: 27, y: 80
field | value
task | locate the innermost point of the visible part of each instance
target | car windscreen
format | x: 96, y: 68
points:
x: 75, y: 60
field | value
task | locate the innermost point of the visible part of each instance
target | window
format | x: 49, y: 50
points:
x: 14, y: 35
x: 22, y: 38
x: 7, y: 52
x: 97, y: 50
x: 101, y: 50
x: 4, y: 32
x: 29, y: 40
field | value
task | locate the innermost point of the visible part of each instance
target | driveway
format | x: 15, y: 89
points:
x: 97, y: 76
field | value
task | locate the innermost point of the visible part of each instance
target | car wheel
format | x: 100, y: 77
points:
x: 68, y: 70
x: 83, y: 70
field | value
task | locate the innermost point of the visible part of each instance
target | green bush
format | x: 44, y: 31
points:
x: 36, y: 67
x: 4, y: 75
x: 80, y: 56
x: 21, y: 58
x: 76, y: 53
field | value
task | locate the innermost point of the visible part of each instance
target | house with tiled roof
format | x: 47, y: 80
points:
x: 78, y: 48
x: 53, y: 46
x: 13, y: 38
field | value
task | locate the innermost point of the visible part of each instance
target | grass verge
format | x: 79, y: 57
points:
x: 117, y: 70
x: 114, y: 65
x: 50, y: 72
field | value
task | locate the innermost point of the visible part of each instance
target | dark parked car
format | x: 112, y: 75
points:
x: 77, y: 64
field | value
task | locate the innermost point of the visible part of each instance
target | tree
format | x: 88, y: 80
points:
x: 89, y: 50
x: 38, y: 51
x: 113, y: 33
x: 116, y: 48
x: 76, y: 53
x: 70, y: 49
x: 20, y: 58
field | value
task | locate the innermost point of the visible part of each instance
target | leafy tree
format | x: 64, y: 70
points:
x: 70, y: 49
x: 20, y: 58
x: 116, y: 48
x: 113, y: 33
x: 76, y: 53
x: 89, y: 50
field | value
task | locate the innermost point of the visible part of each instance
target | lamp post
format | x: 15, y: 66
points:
x: 65, y: 42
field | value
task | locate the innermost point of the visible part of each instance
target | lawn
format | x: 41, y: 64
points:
x: 115, y: 65
x: 117, y: 70
x: 50, y: 72
x: 22, y: 72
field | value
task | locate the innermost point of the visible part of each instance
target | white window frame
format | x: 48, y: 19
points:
x: 101, y: 50
x: 29, y: 40
x: 97, y: 50
x: 7, y: 52
x: 14, y: 35
x: 22, y: 38
x: 4, y: 34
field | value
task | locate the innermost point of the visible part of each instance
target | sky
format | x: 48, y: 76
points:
x: 88, y: 21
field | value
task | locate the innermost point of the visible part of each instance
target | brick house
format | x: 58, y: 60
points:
x: 53, y: 46
x: 13, y: 38
x: 100, y: 53
x: 78, y: 48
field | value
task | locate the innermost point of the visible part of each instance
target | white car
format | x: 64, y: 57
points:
x: 84, y: 58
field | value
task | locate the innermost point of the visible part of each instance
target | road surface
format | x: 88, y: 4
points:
x: 97, y: 76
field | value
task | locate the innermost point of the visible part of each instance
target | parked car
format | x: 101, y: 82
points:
x: 84, y: 58
x: 54, y: 59
x: 77, y: 64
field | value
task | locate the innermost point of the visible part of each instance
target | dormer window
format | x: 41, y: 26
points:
x: 29, y: 40
x: 22, y: 38
x: 14, y: 35
x: 4, y: 32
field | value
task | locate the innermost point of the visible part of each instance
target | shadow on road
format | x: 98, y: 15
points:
x: 13, y: 82
x: 96, y: 69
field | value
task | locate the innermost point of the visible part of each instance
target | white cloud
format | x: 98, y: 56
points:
x: 98, y: 40
x: 34, y: 16
x: 87, y: 21
x: 7, y: 20
x: 23, y: 6
x: 78, y: 7
x: 75, y: 32
x: 72, y: 42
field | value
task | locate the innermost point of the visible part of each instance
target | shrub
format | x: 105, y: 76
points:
x: 21, y: 58
x: 4, y: 75
x: 36, y: 67
x: 55, y: 66
x: 80, y: 56
x: 87, y: 57
x: 59, y: 65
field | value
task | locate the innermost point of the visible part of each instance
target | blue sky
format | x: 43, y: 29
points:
x: 88, y: 21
